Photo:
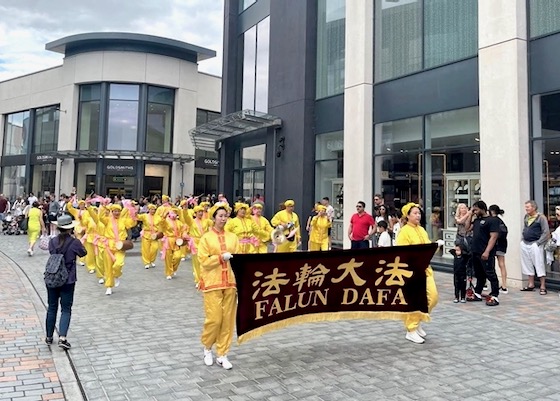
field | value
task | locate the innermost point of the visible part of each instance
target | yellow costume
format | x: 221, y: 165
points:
x: 245, y: 229
x: 265, y: 230
x: 80, y: 232
x: 186, y: 218
x: 34, y: 218
x: 414, y: 235
x: 218, y: 284
x: 198, y: 228
x: 116, y: 229
x: 172, y: 229
x: 319, y: 236
x: 150, y: 228
x: 96, y: 236
x: 284, y: 218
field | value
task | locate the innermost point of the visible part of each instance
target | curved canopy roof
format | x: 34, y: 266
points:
x: 123, y: 41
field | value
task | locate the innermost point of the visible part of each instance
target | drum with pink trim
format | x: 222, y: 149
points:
x: 125, y: 245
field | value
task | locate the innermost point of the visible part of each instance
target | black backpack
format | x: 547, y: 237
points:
x: 56, y: 273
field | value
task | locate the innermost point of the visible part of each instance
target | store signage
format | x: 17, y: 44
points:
x: 120, y: 167
x: 43, y: 159
x: 206, y: 162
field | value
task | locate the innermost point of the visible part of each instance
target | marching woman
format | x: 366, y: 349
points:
x: 81, y: 216
x: 412, y: 233
x: 115, y: 233
x: 174, y: 237
x: 288, y: 220
x: 199, y: 227
x: 185, y: 215
x: 35, y: 226
x: 218, y: 286
x: 319, y: 233
x: 97, y: 239
x: 150, y: 236
x: 265, y: 229
x: 245, y: 229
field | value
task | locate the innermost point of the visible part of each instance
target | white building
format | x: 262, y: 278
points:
x: 113, y: 118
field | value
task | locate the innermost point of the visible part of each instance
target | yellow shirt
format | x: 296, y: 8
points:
x: 283, y: 218
x: 265, y: 229
x: 150, y: 224
x: 412, y: 235
x: 216, y: 273
x: 115, y: 229
x: 319, y: 229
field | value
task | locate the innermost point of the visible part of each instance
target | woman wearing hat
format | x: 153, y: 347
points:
x: 71, y: 248
x: 35, y: 226
x: 81, y: 216
x: 199, y: 227
x: 412, y: 233
x: 174, y: 237
x: 289, y: 221
x: 150, y: 236
x: 217, y: 283
x: 116, y: 231
x: 319, y: 233
x: 265, y: 229
x: 245, y: 229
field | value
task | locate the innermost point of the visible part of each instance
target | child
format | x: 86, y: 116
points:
x: 460, y: 261
x: 384, y: 239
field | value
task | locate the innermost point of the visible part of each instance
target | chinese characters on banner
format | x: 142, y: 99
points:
x: 280, y: 289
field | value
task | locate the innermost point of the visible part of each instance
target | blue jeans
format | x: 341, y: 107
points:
x: 359, y: 244
x: 65, y: 295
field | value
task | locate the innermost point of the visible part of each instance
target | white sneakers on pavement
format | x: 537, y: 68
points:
x: 117, y: 282
x: 208, y: 358
x: 91, y: 271
x: 421, y: 331
x: 414, y: 337
x: 147, y: 266
x: 109, y: 291
x: 224, y: 362
x: 101, y: 281
x: 169, y: 277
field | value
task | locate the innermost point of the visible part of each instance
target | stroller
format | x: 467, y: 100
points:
x: 11, y: 225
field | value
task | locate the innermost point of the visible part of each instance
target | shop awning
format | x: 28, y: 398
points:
x: 206, y: 136
x: 120, y: 154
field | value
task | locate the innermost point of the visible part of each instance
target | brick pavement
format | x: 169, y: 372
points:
x: 142, y: 343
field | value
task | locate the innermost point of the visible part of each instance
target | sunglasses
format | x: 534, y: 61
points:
x: 359, y: 206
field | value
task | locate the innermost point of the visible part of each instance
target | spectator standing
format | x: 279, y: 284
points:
x: 361, y: 227
x: 501, y: 246
x: 534, y: 236
x: 4, y: 207
x: 384, y: 239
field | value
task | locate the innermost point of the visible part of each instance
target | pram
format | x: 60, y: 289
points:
x: 11, y: 226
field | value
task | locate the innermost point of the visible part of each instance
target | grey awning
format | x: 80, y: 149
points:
x: 206, y: 136
x: 120, y: 154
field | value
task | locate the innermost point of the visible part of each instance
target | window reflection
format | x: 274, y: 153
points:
x: 123, y: 117
x: 45, y: 136
x: 16, y: 133
x: 254, y: 156
x: 88, y: 129
x: 330, y: 47
x: 13, y: 181
x: 256, y: 66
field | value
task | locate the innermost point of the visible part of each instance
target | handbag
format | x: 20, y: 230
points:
x: 44, y: 242
x: 550, y: 245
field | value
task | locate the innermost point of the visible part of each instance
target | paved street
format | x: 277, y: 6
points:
x: 142, y: 343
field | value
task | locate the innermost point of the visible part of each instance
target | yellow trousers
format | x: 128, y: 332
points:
x: 195, y: 268
x: 319, y: 246
x: 99, y: 261
x: 89, y: 259
x: 288, y: 246
x: 412, y: 323
x: 113, y: 269
x: 263, y: 248
x: 219, y: 309
x: 149, y: 250
x: 172, y: 260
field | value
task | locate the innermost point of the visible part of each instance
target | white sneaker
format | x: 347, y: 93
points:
x: 174, y: 274
x: 117, y: 282
x: 101, y: 281
x: 147, y: 266
x: 421, y: 331
x: 224, y: 362
x: 91, y: 271
x: 29, y: 252
x: 182, y: 259
x: 208, y: 358
x: 414, y: 337
x: 153, y: 265
x: 169, y: 277
x: 82, y: 264
x: 109, y: 291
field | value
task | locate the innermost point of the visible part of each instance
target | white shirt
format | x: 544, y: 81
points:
x: 330, y: 212
x: 384, y: 239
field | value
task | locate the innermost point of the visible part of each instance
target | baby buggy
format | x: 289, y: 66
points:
x: 11, y: 226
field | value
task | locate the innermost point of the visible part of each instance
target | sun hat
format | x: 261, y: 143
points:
x: 65, y: 222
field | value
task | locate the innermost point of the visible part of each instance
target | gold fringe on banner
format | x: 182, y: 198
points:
x: 330, y: 316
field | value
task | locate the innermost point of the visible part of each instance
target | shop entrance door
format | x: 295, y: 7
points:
x: 253, y: 184
x: 120, y: 186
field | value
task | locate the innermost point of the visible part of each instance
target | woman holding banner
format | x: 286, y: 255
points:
x: 414, y: 234
x: 217, y: 282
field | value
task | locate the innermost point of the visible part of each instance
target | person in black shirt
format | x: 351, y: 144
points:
x: 485, y: 234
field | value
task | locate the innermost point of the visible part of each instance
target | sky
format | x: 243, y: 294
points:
x: 27, y: 25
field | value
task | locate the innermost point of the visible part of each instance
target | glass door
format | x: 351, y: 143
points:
x: 252, y: 184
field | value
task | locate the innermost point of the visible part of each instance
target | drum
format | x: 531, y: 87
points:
x: 156, y: 236
x: 125, y: 245
x: 180, y: 241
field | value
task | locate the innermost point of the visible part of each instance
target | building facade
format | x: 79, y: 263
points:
x: 439, y: 102
x: 112, y: 119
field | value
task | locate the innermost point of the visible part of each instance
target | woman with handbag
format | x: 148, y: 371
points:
x: 35, y: 226
x: 71, y: 248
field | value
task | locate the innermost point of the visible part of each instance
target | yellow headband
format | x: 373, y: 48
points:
x: 151, y: 206
x: 216, y: 206
x: 115, y: 206
x: 198, y: 208
x: 165, y: 198
x: 289, y: 202
x: 320, y: 208
x: 257, y: 206
x: 406, y: 208
x: 240, y: 205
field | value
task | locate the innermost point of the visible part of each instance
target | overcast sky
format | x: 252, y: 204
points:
x: 27, y: 25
